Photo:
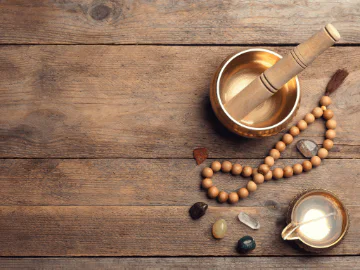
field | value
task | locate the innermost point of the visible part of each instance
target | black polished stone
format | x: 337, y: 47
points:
x: 198, y: 210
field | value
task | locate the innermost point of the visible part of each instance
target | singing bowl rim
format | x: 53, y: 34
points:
x: 218, y: 79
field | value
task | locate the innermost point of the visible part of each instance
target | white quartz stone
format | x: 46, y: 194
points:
x: 249, y: 221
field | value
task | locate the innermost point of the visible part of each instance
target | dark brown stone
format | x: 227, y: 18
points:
x: 198, y: 210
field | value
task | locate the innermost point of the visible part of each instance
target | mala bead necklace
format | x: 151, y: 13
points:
x: 263, y: 172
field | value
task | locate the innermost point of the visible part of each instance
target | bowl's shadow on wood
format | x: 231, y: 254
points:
x: 223, y: 134
x: 217, y: 126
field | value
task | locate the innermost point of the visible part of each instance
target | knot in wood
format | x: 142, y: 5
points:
x: 100, y: 12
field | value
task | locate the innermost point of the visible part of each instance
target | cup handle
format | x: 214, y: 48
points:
x: 289, y: 232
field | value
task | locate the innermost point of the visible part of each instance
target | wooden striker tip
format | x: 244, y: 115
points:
x: 331, y: 30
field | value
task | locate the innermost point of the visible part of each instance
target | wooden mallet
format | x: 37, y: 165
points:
x: 270, y: 81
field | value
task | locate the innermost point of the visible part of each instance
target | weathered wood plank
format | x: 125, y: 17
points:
x: 341, y: 263
x: 169, y: 22
x: 156, y: 182
x: 145, y: 231
x: 145, y: 102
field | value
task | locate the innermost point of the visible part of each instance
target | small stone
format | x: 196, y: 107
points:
x: 219, y: 229
x: 200, y: 155
x: 246, y: 244
x: 249, y: 221
x: 198, y: 210
x: 307, y: 148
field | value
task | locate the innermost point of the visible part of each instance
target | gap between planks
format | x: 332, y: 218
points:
x: 160, y: 158
x: 175, y: 44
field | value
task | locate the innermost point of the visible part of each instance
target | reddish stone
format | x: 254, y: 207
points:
x: 200, y: 155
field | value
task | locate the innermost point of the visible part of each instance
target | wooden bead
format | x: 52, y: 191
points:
x: 206, y: 183
x: 309, y: 118
x: 263, y: 169
x: 216, y: 166
x: 288, y: 171
x: 317, y: 112
x: 287, y: 139
x: 268, y: 176
x: 307, y: 166
x: 302, y: 125
x: 280, y: 146
x: 226, y: 166
x: 278, y: 173
x: 243, y: 193
x: 328, y: 144
x: 213, y: 192
x: 331, y: 124
x: 255, y: 171
x: 251, y: 186
x: 330, y: 134
x: 258, y: 178
x: 247, y: 171
x: 315, y: 161
x: 274, y: 153
x: 325, y: 101
x: 298, y: 169
x: 236, y: 169
x: 294, y: 131
x: 328, y: 114
x: 207, y: 172
x: 269, y: 160
x: 223, y: 196
x: 323, y: 153
x: 233, y: 197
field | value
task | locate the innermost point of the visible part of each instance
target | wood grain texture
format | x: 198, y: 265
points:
x: 170, y: 22
x: 126, y: 119
x: 341, y: 263
x: 146, y: 102
x: 146, y: 231
x: 156, y: 182
x: 140, y: 208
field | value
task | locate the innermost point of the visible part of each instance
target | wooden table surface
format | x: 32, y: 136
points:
x: 101, y: 105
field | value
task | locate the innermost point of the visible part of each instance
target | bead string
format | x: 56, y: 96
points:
x: 263, y: 172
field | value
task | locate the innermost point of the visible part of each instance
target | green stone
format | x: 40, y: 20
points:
x: 246, y: 244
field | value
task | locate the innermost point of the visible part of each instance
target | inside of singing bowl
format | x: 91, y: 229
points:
x: 324, y: 219
x: 242, y: 70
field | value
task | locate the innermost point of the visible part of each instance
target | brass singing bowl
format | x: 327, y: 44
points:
x: 233, y: 75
